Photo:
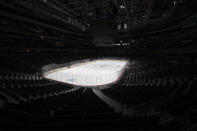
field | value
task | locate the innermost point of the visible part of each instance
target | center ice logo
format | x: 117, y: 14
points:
x: 71, y: 80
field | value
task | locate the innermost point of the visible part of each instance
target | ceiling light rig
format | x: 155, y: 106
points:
x: 122, y: 6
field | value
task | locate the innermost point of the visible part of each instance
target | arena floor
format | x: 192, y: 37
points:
x: 95, y: 73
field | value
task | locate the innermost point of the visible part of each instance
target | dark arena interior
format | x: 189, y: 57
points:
x: 49, y: 77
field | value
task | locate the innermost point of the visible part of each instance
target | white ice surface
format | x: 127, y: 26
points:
x: 95, y: 73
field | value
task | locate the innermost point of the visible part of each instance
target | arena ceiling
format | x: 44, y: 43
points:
x: 48, y: 21
x: 134, y: 12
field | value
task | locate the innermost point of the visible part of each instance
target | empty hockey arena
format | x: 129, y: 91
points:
x: 111, y: 65
x: 93, y: 73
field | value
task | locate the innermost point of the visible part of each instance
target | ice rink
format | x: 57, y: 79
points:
x: 95, y: 73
